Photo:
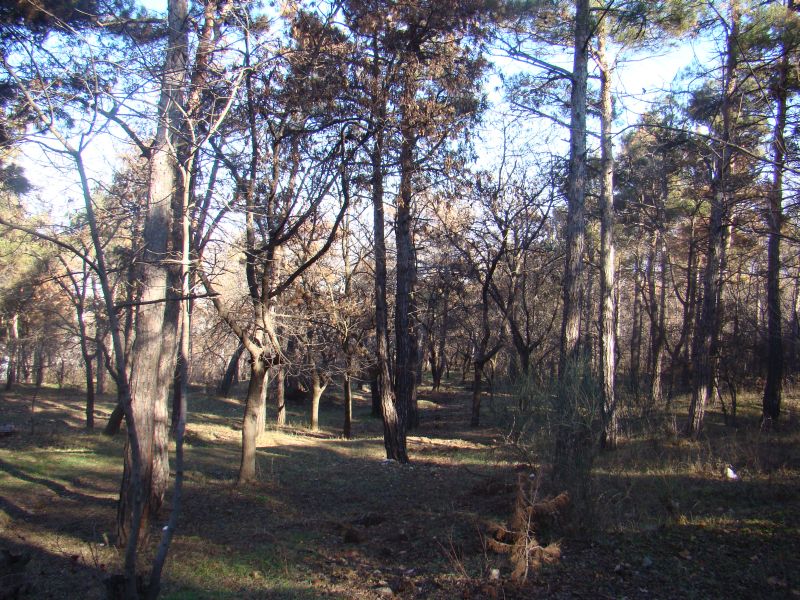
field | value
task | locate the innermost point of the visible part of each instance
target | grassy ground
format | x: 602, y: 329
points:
x: 331, y: 519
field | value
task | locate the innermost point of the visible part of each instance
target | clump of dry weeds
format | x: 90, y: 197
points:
x: 520, y: 538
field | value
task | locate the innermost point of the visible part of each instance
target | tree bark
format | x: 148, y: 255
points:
x: 405, y: 351
x: 261, y: 424
x: 572, y: 288
x: 608, y: 333
x: 394, y: 425
x: 318, y: 385
x: 773, y: 387
x: 154, y: 347
x: 477, y: 381
x: 12, y: 343
x: 347, y: 389
x: 253, y: 407
x: 636, y: 327
x: 231, y: 372
x: 280, y: 396
x: 88, y: 364
x: 707, y: 332
x: 658, y: 332
x: 569, y: 362
x: 100, y: 370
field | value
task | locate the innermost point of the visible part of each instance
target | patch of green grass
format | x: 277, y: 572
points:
x: 199, y: 570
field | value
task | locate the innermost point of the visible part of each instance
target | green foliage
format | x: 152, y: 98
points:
x: 558, y: 425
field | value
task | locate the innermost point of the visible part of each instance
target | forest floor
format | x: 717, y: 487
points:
x: 330, y: 518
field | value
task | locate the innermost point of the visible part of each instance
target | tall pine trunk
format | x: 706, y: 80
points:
x: 608, y: 332
x: 708, y: 325
x: 572, y: 287
x: 154, y: 346
x: 771, y: 403
x: 567, y: 442
x: 394, y: 427
x: 405, y: 380
x: 636, y: 328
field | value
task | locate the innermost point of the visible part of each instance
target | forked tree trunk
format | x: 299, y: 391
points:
x: 86, y: 355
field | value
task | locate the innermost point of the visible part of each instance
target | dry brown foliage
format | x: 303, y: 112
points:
x: 519, y: 539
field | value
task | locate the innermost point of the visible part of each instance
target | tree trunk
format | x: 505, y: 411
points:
x: 477, y: 382
x: 12, y: 343
x: 636, y: 327
x: 437, y: 353
x: 347, y: 430
x: 572, y: 288
x: 405, y: 350
x: 280, y: 396
x: 658, y: 329
x: 773, y: 387
x: 707, y: 332
x: 608, y: 333
x: 412, y: 421
x: 100, y: 370
x: 394, y: 426
x: 317, y: 388
x: 39, y: 365
x: 231, y: 372
x: 683, y: 347
x: 794, y: 326
x: 88, y: 363
x: 261, y: 424
x: 253, y: 408
x: 178, y: 385
x: 154, y: 347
